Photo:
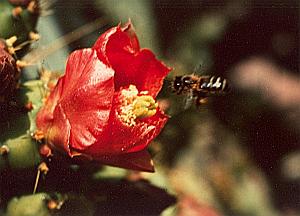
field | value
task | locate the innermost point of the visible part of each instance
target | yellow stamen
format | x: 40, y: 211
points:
x: 136, y: 106
x: 144, y: 106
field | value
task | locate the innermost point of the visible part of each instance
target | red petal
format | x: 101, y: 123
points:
x: 87, y: 97
x: 45, y: 115
x: 143, y: 70
x: 130, y: 40
x: 58, y: 134
x: 84, y: 101
x: 136, y: 161
x: 122, y: 138
x: 129, y: 30
x: 119, y: 48
x: 158, y: 120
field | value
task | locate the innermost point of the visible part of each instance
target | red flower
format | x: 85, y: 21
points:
x: 104, y: 107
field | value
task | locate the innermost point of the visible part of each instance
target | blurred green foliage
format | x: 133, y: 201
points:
x: 28, y: 206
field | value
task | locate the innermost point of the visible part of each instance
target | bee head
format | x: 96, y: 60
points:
x: 177, y: 83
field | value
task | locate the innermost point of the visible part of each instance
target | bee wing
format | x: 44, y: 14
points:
x: 197, y: 68
x: 189, y: 100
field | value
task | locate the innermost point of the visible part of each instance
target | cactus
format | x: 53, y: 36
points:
x: 28, y: 205
x: 21, y: 152
x: 9, y: 82
x: 8, y: 76
x: 18, y: 149
x: 19, y: 19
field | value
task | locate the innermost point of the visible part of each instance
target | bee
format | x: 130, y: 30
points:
x: 199, y: 88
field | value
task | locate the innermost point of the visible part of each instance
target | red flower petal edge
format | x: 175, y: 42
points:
x: 119, y: 47
x: 137, y: 161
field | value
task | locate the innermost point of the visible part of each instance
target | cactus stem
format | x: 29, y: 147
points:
x: 42, y: 169
x: 4, y: 150
x: 17, y: 11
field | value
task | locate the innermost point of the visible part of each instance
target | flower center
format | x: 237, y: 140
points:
x: 135, y: 105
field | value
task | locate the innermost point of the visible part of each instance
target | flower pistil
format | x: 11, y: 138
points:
x: 135, y: 105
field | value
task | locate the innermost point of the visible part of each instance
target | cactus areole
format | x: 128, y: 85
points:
x: 104, y: 106
x: 19, y: 18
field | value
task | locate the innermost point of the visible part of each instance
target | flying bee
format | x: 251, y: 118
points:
x: 199, y: 88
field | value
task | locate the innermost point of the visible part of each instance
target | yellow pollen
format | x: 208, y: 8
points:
x: 136, y: 106
x: 144, y: 106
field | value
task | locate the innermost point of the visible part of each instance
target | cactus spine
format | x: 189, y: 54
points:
x: 18, y: 19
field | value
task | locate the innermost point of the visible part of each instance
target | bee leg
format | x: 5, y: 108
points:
x: 189, y: 99
x: 180, y: 91
x: 200, y: 101
x: 203, y: 100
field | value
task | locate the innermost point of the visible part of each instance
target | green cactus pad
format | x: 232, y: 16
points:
x: 29, y: 205
x: 15, y: 133
x: 23, y: 153
x: 19, y: 26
